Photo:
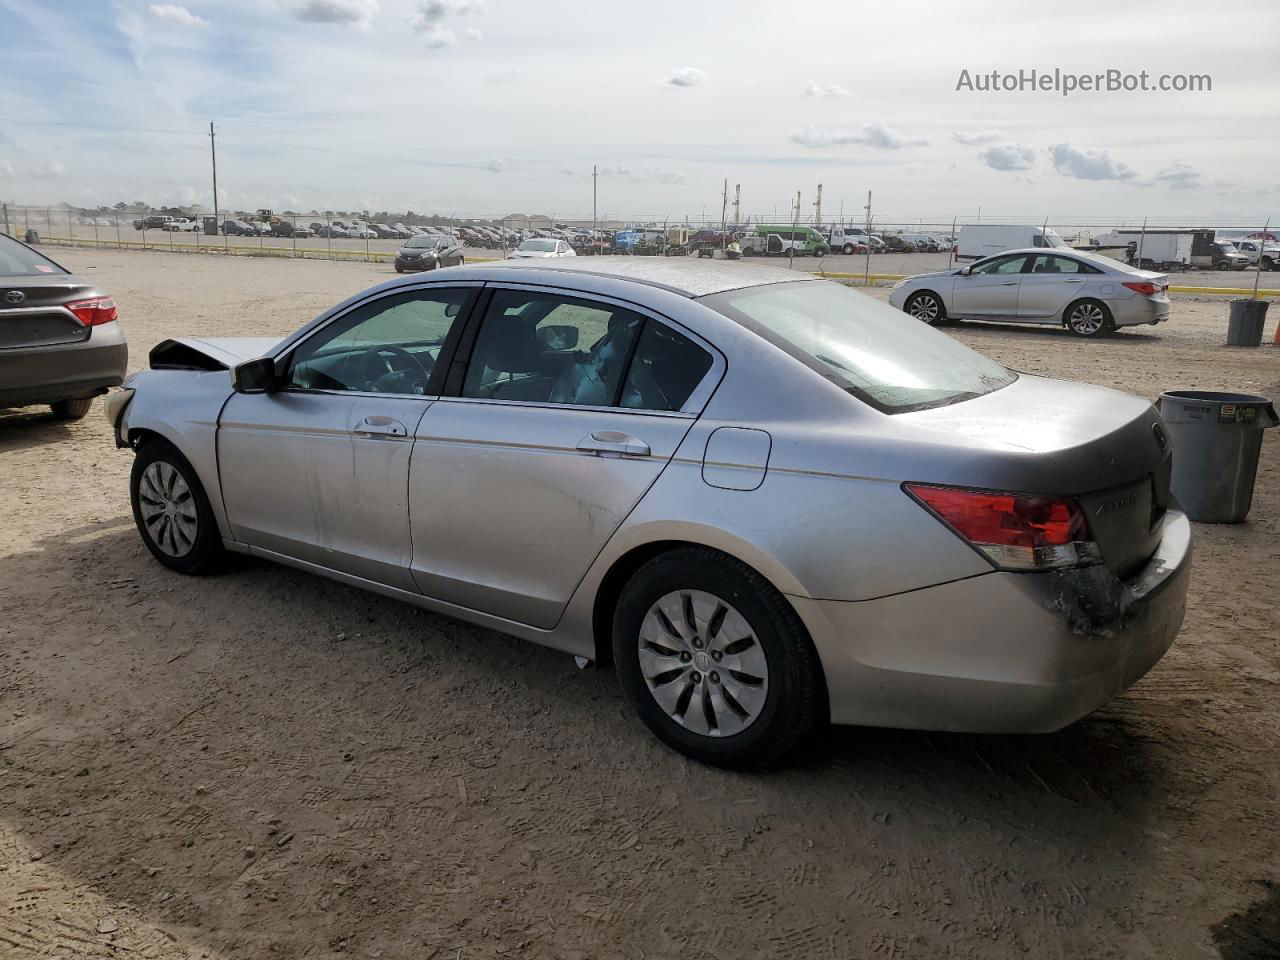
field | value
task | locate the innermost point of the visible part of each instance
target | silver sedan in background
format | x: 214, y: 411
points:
x: 1089, y: 294
x: 764, y: 498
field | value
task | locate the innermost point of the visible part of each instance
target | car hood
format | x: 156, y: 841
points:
x: 926, y: 276
x: 209, y: 353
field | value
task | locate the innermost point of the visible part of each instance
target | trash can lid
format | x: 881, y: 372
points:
x: 1221, y: 407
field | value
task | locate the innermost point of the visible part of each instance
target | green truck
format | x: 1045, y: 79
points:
x: 784, y: 240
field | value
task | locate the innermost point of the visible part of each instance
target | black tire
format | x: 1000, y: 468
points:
x: 848, y: 249
x: 205, y: 553
x: 1074, y: 319
x: 795, y: 701
x: 71, y: 409
x: 819, y: 252
x: 399, y: 269
x: 927, y: 307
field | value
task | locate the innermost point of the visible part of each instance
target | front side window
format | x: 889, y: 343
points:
x: 863, y: 345
x: 389, y: 345
x: 1000, y: 265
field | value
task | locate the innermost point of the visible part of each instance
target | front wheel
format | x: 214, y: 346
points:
x: 172, y: 511
x: 848, y: 249
x: 1089, y: 318
x: 819, y: 252
x: 715, y: 660
x: 71, y: 409
x: 927, y: 307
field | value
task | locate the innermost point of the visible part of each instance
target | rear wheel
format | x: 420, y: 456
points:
x: 848, y: 249
x: 927, y: 307
x: 172, y: 511
x: 715, y: 660
x: 1089, y: 318
x: 71, y: 409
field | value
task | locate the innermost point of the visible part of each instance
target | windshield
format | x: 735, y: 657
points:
x: 19, y: 261
x: 539, y: 246
x: 877, y: 353
x: 417, y: 242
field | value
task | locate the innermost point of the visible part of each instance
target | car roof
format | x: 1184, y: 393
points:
x: 695, y: 277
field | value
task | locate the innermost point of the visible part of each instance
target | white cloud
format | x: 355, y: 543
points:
x: 6, y: 169
x: 815, y: 89
x: 1008, y: 156
x: 1088, y: 164
x: 871, y: 134
x: 973, y: 138
x: 432, y: 20
x: 337, y: 11
x: 438, y: 36
x: 1180, y: 175
x: 50, y: 170
x: 175, y: 13
x: 668, y: 176
x: 495, y: 166
x: 683, y: 77
x: 506, y: 76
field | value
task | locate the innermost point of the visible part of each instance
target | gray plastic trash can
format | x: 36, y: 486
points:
x: 1245, y: 322
x: 31, y: 237
x: 1216, y: 438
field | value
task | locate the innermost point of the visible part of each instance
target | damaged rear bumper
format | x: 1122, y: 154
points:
x: 1001, y: 652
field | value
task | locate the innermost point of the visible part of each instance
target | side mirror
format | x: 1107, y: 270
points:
x: 965, y: 271
x: 557, y: 337
x: 255, y: 376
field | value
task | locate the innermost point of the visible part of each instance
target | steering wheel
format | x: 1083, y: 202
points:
x: 389, y: 378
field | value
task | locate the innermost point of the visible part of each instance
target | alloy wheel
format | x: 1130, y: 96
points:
x: 703, y: 664
x: 168, y: 509
x: 1086, y: 319
x: 926, y: 308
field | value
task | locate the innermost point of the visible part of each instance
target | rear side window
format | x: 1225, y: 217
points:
x: 17, y: 260
x: 665, y: 370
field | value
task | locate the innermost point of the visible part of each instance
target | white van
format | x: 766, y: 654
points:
x: 979, y: 240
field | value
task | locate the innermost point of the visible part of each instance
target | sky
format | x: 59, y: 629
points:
x: 489, y: 107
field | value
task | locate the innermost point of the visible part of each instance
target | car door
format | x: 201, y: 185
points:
x: 989, y: 291
x: 1049, y: 283
x: 569, y: 409
x: 319, y: 469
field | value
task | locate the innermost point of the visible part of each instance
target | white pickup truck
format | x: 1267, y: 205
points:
x: 1262, y: 253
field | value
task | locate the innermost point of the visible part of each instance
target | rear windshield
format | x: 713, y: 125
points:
x: 877, y: 353
x: 17, y: 260
x: 539, y: 246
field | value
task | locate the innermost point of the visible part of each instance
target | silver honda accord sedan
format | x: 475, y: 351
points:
x: 1089, y: 294
x: 760, y: 495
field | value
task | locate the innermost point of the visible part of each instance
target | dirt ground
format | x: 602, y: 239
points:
x: 266, y: 764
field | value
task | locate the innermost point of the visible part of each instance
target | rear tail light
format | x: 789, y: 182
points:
x: 1014, y: 531
x: 94, y: 311
x: 1146, y: 289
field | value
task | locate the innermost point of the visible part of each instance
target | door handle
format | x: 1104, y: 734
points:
x: 1009, y: 283
x: 604, y: 442
x: 376, y: 426
x: 1076, y: 280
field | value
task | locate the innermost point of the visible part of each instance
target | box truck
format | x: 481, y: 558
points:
x: 979, y: 240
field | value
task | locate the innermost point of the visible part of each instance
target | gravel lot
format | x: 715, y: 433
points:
x: 266, y: 764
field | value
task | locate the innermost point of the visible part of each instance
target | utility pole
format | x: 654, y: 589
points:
x: 213, y: 156
x: 795, y: 219
x: 724, y: 212
x: 866, y: 263
x: 867, y: 208
x: 737, y: 205
x: 817, y: 209
x: 595, y: 223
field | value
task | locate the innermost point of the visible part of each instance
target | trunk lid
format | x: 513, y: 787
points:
x: 31, y: 313
x: 1105, y: 448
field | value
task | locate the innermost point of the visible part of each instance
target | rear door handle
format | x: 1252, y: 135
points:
x: 376, y: 426
x: 1076, y: 280
x: 605, y: 442
x: 1009, y: 283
